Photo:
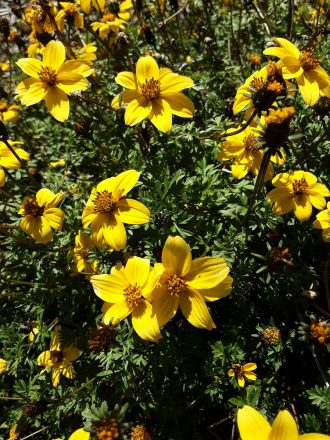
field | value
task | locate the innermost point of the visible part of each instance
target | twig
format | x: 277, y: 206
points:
x: 35, y: 433
x: 161, y: 23
x: 242, y: 128
x: 290, y: 20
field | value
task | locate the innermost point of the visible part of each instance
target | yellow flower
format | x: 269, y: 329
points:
x: 3, y: 365
x: 80, y: 434
x: 253, y: 426
x: 79, y: 253
x: 254, y: 59
x: 59, y: 358
x: 303, y: 66
x: 86, y: 5
x: 69, y: 14
x: 155, y: 94
x: 128, y: 290
x: 109, y: 22
x: 139, y: 432
x: 243, y: 371
x: 188, y: 283
x: 323, y: 222
x: 57, y: 163
x: 9, y: 113
x: 41, y: 215
x: 4, y: 67
x: 87, y: 53
x: 52, y: 80
x: 34, y: 331
x: 245, y: 149
x: 297, y: 191
x: 8, y: 160
x: 107, y: 210
x: 260, y: 90
x: 40, y: 18
x: 13, y: 433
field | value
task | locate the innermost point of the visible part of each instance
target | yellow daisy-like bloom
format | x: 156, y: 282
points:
x: 41, y: 19
x: 188, y: 283
x: 155, y: 94
x: 97, y: 4
x: 69, y: 14
x: 323, y: 222
x: 107, y: 210
x: 245, y: 149
x: 87, y: 53
x: 41, y: 215
x: 80, y: 434
x: 9, y: 113
x: 110, y: 22
x: 59, y: 359
x: 253, y: 426
x: 52, y: 79
x: 128, y: 291
x: 3, y: 365
x: 303, y: 66
x: 260, y: 90
x: 8, y: 160
x: 243, y: 371
x: 297, y: 191
x: 79, y: 254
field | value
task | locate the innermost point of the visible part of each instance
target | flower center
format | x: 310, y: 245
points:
x: 48, y: 75
x: 257, y: 84
x: 104, y: 202
x: 108, y: 17
x: 151, y: 89
x: 250, y: 142
x: 176, y: 285
x: 308, y: 61
x: 106, y: 429
x: 56, y: 356
x: 299, y: 186
x: 238, y: 369
x: 71, y: 9
x: 31, y: 207
x: 133, y: 296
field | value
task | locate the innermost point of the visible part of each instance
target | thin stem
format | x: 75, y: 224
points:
x: 35, y: 433
x: 326, y: 282
x: 242, y: 128
x: 290, y: 20
x: 161, y: 23
x: 316, y: 359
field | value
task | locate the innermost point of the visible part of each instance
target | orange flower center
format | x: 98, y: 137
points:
x: 176, y: 285
x: 308, y: 61
x: 237, y: 370
x: 108, y: 17
x: 104, y: 202
x: 299, y: 186
x: 48, y: 75
x: 250, y: 142
x: 106, y: 429
x: 71, y: 9
x: 139, y: 432
x: 56, y: 356
x: 31, y: 207
x: 151, y: 89
x: 276, y: 88
x: 83, y: 253
x: 133, y: 296
x: 257, y: 84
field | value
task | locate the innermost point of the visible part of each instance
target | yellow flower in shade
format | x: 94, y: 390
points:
x: 3, y: 365
x: 240, y: 372
x: 34, y: 331
x: 57, y: 163
x: 80, y: 434
x: 245, y: 150
x: 79, y: 254
x: 303, y: 66
x: 35, y: 47
x: 253, y: 426
x: 97, y: 4
x: 188, y: 283
x: 139, y: 432
x: 297, y: 191
x: 59, y: 358
x: 8, y: 160
x: 323, y: 222
x: 110, y: 22
x: 69, y: 14
x: 9, y: 113
x: 107, y: 210
x: 4, y: 67
x: 52, y: 80
x: 41, y: 215
x: 260, y: 90
x: 128, y: 291
x: 13, y: 433
x: 154, y: 94
x: 40, y: 18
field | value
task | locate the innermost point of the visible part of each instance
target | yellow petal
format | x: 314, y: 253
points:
x: 317, y: 200
x: 114, y: 233
x: 206, y: 272
x: 249, y: 366
x: 194, y: 309
x: 137, y: 110
x: 314, y: 436
x: 2, y: 177
x: 302, y: 208
x: 241, y: 381
x: 284, y: 427
x: 132, y: 212
x: 88, y: 215
x: 47, y: 198
x: 250, y: 375
x: 123, y: 182
x: 137, y: 271
x: 252, y: 425
x: 3, y: 366
x: 56, y: 375
x: 310, y: 91
x: 69, y: 82
x: 43, y: 358
x: 165, y: 305
x: 54, y: 55
x: 145, y: 323
x: 55, y: 217
x: 127, y: 80
x: 38, y: 228
x: 116, y: 313
x: 176, y: 256
x: 172, y: 82
x: 110, y: 288
x: 286, y: 44
x: 80, y: 434
x: 30, y: 66
x: 57, y: 104
x: 279, y: 52
x: 34, y: 94
x: 180, y: 104
x: 220, y: 291
x: 146, y: 69
x: 161, y: 115
x: 291, y: 67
